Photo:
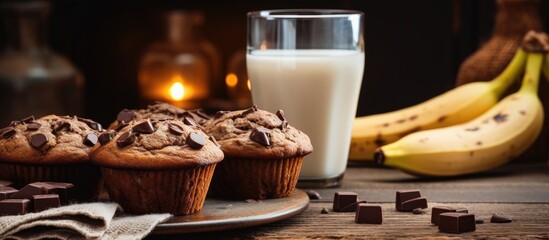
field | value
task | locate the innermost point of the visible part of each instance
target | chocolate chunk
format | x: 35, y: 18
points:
x: 313, y: 195
x: 5, y: 183
x: 33, y: 126
x: 125, y: 116
x: 125, y: 139
x: 500, y: 218
x: 61, y: 126
x: 189, y: 121
x: 414, y: 203
x: 29, y: 191
x: 14, y: 207
x: 202, y: 114
x: 45, y: 201
x: 144, y: 127
x: 28, y: 119
x: 351, y: 207
x: 280, y: 115
x: 175, y: 129
x: 418, y: 211
x: 248, y: 111
x: 14, y: 123
x: 120, y: 126
x: 63, y: 189
x: 196, y: 140
x: 452, y: 222
x: 343, y: 199
x: 369, y: 213
x: 9, y: 133
x: 324, y: 211
x: 261, y: 135
x: 91, y: 123
x: 90, y: 140
x: 38, y: 140
x: 6, y: 192
x: 214, y: 141
x: 219, y: 114
x: 405, y: 195
x: 436, y: 211
x: 479, y: 221
x: 284, y: 125
x: 106, y: 137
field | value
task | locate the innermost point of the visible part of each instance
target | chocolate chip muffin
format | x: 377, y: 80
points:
x: 159, y: 110
x: 263, y: 154
x: 52, y: 148
x: 153, y: 166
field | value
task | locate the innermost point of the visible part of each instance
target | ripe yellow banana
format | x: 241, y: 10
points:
x: 492, y: 139
x: 458, y: 105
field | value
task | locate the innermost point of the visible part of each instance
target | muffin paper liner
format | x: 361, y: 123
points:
x: 255, y: 178
x: 181, y: 191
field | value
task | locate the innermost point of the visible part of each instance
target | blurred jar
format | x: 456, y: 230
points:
x: 237, y: 82
x: 180, y: 69
x: 34, y: 80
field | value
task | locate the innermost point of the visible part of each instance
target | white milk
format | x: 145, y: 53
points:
x: 318, y: 91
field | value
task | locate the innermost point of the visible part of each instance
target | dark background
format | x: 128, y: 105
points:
x: 413, y: 48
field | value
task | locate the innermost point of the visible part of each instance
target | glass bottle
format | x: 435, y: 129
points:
x: 179, y: 69
x: 34, y: 80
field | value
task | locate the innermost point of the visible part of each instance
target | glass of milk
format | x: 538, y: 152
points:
x: 309, y: 63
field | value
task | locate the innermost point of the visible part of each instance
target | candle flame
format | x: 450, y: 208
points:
x: 177, y: 91
x: 231, y: 80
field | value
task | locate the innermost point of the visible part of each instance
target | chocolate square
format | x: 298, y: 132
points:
x: 405, y: 195
x: 64, y: 190
x: 344, y: 199
x: 6, y: 192
x: 14, y: 206
x: 369, y: 213
x: 45, y: 201
x: 412, y: 204
x: 28, y: 191
x: 436, y: 211
x: 453, y: 222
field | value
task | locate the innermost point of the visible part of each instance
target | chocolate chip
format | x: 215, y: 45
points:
x: 324, y: 211
x: 8, y: 133
x: 196, y: 140
x: 144, y: 127
x: 106, y: 137
x: 38, y: 140
x: 500, y: 117
x: 120, y: 126
x: 125, y: 116
x: 281, y: 115
x: 28, y: 119
x: 61, y: 126
x: 125, y: 139
x: 418, y: 211
x: 92, y: 124
x: 500, y: 218
x: 214, y: 141
x: 175, y: 129
x: 90, y: 140
x: 202, y: 114
x: 219, y: 114
x: 284, y: 125
x: 261, y: 136
x: 14, y: 123
x: 189, y: 121
x: 313, y: 195
x: 33, y: 126
x: 249, y: 110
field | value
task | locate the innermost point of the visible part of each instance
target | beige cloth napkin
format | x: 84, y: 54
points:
x: 79, y: 221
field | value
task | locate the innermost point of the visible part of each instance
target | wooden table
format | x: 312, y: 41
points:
x: 517, y: 190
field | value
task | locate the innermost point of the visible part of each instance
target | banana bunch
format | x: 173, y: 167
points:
x: 456, y: 106
x: 489, y: 140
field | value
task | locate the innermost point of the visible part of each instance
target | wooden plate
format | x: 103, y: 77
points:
x: 218, y: 214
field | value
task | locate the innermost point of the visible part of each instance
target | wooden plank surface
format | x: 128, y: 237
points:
x: 520, y: 191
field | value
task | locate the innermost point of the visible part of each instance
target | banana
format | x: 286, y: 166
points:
x: 456, y: 106
x: 490, y: 140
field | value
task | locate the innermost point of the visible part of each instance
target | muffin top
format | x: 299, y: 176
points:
x: 49, y: 140
x: 255, y: 133
x: 156, y: 144
x: 157, y: 111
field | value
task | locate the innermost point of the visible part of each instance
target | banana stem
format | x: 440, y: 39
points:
x: 510, y: 73
x: 532, y: 73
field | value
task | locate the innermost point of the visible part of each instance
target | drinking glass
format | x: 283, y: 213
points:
x: 309, y: 63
